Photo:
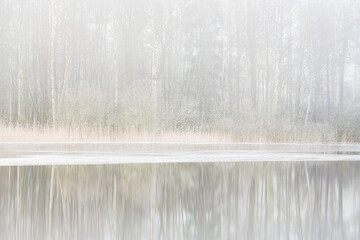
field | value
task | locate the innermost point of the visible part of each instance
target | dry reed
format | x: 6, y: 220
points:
x: 63, y: 134
x: 88, y: 134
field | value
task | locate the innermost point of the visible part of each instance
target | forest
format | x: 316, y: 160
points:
x: 252, y: 70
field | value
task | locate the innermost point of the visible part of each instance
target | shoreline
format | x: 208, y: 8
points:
x: 182, y: 143
x: 64, y: 134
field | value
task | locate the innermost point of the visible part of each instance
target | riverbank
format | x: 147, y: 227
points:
x: 86, y: 134
x: 65, y: 134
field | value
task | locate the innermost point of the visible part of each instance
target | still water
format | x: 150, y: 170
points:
x: 258, y: 197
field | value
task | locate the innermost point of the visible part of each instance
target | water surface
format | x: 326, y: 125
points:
x: 257, y: 197
x: 13, y: 154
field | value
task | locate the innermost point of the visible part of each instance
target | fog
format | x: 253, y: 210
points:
x: 145, y: 103
x: 270, y: 68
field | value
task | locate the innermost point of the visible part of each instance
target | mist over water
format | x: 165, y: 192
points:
x: 263, y: 200
x: 142, y: 79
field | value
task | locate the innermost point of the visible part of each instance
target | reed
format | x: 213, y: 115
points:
x: 85, y: 134
x: 310, y: 134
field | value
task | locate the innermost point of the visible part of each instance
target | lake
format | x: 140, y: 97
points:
x: 179, y: 191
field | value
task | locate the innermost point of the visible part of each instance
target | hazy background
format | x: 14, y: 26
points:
x: 234, y: 66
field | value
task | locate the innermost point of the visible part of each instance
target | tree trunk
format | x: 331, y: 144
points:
x: 52, y: 56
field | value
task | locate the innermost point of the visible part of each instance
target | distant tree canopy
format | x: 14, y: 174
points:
x: 180, y: 64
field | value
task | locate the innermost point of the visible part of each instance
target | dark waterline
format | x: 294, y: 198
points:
x: 263, y: 200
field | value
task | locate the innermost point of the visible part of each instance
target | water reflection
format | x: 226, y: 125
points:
x: 182, y: 201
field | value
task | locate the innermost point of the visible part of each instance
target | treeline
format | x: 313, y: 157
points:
x: 181, y: 65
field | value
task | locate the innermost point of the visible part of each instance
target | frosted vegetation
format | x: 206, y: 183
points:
x: 160, y: 71
x: 251, y: 69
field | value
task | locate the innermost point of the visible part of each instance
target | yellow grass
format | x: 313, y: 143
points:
x: 62, y: 134
x: 87, y: 134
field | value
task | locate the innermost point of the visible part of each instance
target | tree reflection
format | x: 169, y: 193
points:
x: 182, y: 201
